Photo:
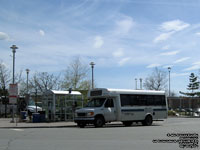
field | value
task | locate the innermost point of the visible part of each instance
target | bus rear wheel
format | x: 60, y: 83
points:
x: 147, y: 121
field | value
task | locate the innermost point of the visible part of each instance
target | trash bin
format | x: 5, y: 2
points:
x: 36, y: 117
x: 42, y: 116
x: 23, y: 115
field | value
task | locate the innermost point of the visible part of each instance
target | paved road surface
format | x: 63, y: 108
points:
x: 111, y: 137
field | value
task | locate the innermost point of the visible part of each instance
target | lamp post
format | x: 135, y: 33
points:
x: 92, y: 66
x: 169, y: 69
x: 27, y: 72
x: 140, y: 83
x: 136, y: 83
x: 13, y: 47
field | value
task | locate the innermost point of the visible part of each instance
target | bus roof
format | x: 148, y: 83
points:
x: 129, y: 91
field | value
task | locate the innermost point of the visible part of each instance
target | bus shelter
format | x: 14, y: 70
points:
x: 61, y: 105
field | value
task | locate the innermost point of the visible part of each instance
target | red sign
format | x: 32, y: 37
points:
x: 13, y: 93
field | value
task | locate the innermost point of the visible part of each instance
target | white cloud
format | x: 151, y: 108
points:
x: 41, y: 32
x: 4, y: 36
x: 175, y: 25
x: 170, y: 27
x: 194, y: 66
x: 179, y: 74
x: 98, y: 42
x: 170, y: 53
x: 181, y: 60
x: 118, y: 53
x: 166, y: 47
x: 163, y: 37
x: 153, y: 65
x: 125, y: 25
x: 198, y: 33
x: 124, y: 60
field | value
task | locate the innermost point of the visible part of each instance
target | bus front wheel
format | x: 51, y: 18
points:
x: 99, y: 122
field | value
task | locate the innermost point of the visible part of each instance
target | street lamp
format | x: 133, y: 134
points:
x: 13, y: 47
x: 169, y: 69
x: 92, y: 66
x: 27, y: 72
x: 136, y: 83
x: 140, y: 83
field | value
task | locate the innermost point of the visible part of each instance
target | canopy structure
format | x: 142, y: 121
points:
x: 61, y: 105
x: 65, y: 92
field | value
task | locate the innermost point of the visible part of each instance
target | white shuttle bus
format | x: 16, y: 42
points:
x: 127, y: 106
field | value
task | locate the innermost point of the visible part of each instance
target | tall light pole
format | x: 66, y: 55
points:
x: 27, y: 72
x: 92, y: 66
x: 13, y: 47
x: 169, y: 69
x: 140, y: 83
x: 136, y: 83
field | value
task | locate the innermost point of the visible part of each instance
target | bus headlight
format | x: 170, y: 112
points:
x: 90, y: 113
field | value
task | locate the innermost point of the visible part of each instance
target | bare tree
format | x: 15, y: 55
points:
x: 76, y: 76
x: 4, y: 76
x: 22, y: 87
x: 18, y: 77
x: 157, y: 80
x: 21, y: 82
x: 44, y: 81
x: 4, y: 82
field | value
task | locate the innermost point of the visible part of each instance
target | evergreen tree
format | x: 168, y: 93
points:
x: 193, y: 85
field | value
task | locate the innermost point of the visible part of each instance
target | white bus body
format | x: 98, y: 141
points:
x: 127, y: 106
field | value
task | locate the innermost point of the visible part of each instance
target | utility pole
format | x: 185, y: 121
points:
x: 169, y: 69
x: 140, y: 83
x: 13, y: 47
x: 27, y: 72
x: 92, y: 66
x: 136, y: 83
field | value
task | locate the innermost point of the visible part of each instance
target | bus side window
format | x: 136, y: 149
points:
x: 150, y: 100
x: 142, y: 100
x: 109, y: 103
x: 163, y: 102
x: 125, y: 99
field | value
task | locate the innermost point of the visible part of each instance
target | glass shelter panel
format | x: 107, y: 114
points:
x: 61, y: 107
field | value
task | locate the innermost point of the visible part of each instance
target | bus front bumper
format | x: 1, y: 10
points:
x: 84, y: 120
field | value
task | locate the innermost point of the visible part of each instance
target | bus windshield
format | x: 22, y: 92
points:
x: 96, y: 102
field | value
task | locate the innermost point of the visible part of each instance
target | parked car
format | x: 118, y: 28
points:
x: 197, y: 111
x: 180, y: 110
x: 32, y: 108
x: 188, y: 109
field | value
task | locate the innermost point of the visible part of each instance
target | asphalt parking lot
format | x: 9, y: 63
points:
x: 159, y: 136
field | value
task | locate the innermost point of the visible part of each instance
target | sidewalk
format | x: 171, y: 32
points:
x: 5, y: 123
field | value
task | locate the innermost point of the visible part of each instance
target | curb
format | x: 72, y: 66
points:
x: 183, y: 117
x: 17, y: 127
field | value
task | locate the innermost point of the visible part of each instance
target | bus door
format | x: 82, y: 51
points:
x: 110, y: 110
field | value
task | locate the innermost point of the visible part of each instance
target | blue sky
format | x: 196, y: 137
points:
x: 125, y: 38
